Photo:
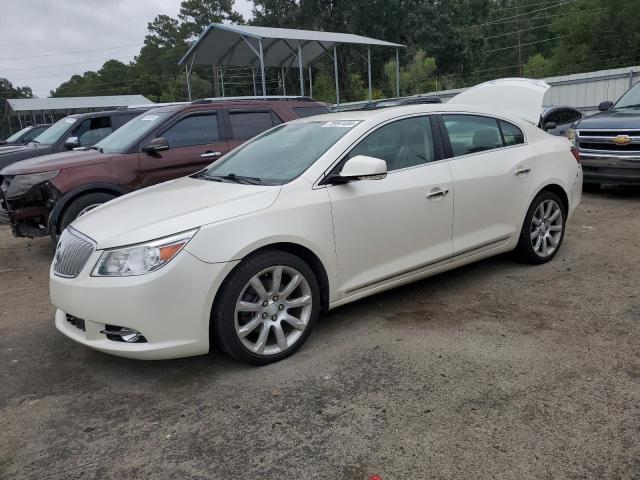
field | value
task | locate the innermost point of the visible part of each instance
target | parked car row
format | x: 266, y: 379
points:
x: 43, y: 195
x: 309, y: 215
x: 25, y: 135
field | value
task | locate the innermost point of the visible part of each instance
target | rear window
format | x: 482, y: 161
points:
x: 246, y: 125
x: 512, y: 135
x: 303, y: 112
x: 472, y: 134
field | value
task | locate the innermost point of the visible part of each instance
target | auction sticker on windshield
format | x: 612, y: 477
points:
x: 149, y: 118
x: 69, y: 120
x: 341, y: 124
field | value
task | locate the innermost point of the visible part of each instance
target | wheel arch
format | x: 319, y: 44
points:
x: 300, y: 251
x: 63, y: 203
x: 558, y: 190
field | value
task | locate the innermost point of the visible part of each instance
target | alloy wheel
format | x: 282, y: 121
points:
x: 546, y: 228
x: 273, y: 310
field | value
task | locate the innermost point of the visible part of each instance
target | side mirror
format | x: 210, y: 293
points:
x: 604, y: 106
x: 72, y: 142
x: 362, y: 167
x: 550, y: 126
x: 159, y: 144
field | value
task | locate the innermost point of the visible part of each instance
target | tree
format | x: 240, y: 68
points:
x: 7, y: 90
x: 196, y: 15
x: 275, y: 13
x: 538, y: 67
x: 417, y: 77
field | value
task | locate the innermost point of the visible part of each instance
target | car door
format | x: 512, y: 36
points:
x: 490, y: 169
x: 245, y: 123
x: 195, y: 141
x: 400, y: 224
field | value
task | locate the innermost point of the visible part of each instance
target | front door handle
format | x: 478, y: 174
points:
x: 522, y: 171
x: 211, y: 154
x: 437, y: 192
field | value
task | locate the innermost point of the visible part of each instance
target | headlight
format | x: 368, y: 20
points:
x: 141, y: 259
x: 572, y: 136
x: 21, y: 184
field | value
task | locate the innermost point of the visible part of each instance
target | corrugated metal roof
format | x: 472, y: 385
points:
x: 229, y: 45
x: 73, y: 103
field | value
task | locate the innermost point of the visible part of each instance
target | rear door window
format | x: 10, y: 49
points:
x: 193, y: 130
x: 246, y: 125
x: 92, y: 130
x: 472, y: 134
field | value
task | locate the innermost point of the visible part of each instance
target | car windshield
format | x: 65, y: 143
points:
x: 130, y: 133
x: 630, y: 99
x: 18, y: 134
x: 52, y: 134
x: 280, y: 154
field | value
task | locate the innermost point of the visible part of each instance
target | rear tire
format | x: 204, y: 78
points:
x: 79, y: 207
x: 543, y: 229
x: 266, y: 308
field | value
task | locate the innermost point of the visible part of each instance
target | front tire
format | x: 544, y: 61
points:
x: 266, y: 308
x: 543, y: 229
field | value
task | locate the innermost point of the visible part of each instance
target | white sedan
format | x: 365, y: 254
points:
x: 311, y: 215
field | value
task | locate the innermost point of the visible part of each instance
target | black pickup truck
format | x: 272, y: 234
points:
x: 609, y: 142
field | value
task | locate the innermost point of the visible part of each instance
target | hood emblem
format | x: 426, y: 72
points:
x: 621, y: 140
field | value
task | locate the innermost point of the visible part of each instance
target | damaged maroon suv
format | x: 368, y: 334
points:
x: 41, y: 196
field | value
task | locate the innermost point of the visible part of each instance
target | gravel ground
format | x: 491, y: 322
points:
x: 496, y: 370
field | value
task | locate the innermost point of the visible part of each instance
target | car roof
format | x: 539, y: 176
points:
x: 389, y: 113
x: 241, y: 102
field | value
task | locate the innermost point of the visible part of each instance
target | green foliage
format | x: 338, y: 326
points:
x: 196, y: 15
x: 537, y: 67
x: 324, y: 88
x: 417, y: 77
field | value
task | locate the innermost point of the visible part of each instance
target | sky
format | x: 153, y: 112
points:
x: 33, y: 34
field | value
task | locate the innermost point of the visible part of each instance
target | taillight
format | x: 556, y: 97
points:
x: 576, y: 153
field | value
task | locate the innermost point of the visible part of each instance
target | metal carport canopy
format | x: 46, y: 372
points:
x: 271, y: 47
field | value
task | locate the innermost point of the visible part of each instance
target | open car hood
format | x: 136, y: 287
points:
x: 522, y: 97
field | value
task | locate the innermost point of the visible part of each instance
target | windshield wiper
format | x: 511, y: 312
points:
x: 634, y: 105
x: 232, y: 177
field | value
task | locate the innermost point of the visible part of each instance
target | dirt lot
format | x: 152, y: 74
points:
x: 497, y: 370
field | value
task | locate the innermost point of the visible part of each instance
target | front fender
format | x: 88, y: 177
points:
x: 304, y: 220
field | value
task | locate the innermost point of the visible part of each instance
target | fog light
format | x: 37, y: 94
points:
x: 123, y: 334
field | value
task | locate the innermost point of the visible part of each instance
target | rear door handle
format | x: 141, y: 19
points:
x: 522, y: 171
x: 211, y: 154
x: 437, y: 192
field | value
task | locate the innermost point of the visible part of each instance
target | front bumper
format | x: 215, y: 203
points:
x: 610, y: 169
x: 28, y: 214
x: 170, y: 307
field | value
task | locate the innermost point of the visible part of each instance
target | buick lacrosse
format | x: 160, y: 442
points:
x: 311, y: 215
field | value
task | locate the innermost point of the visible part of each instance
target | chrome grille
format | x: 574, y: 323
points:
x: 72, y: 253
x: 609, y: 143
